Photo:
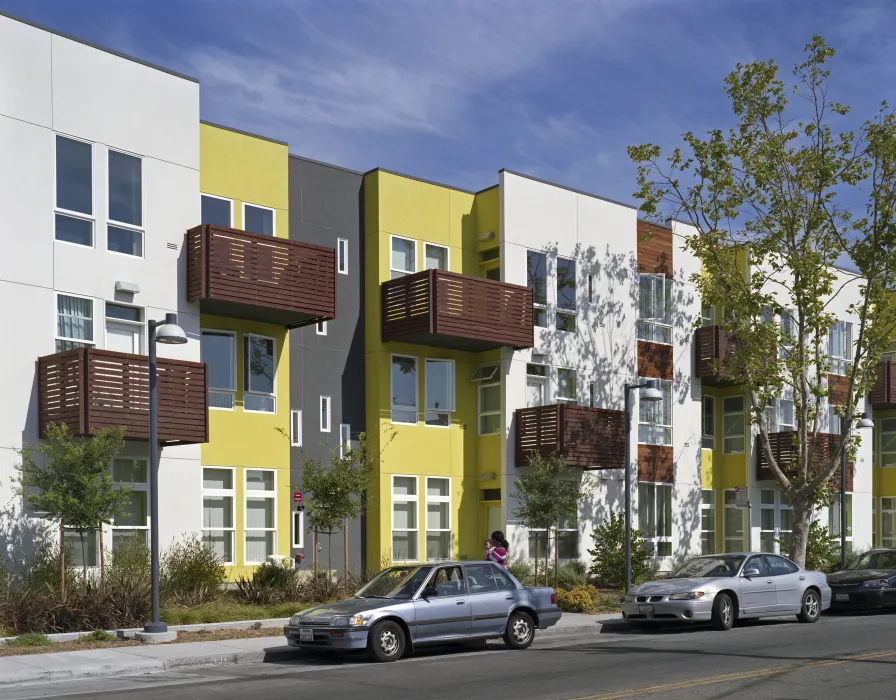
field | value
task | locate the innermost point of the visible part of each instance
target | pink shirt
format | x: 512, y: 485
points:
x: 497, y: 555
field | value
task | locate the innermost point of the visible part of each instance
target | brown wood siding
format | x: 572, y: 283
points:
x: 713, y: 345
x: 656, y: 463
x: 450, y: 310
x: 89, y: 389
x: 784, y: 450
x: 883, y: 393
x: 589, y: 438
x: 654, y: 251
x: 654, y: 360
x: 261, y: 278
x: 839, y: 389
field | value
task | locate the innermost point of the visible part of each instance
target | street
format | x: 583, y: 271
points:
x: 838, y: 657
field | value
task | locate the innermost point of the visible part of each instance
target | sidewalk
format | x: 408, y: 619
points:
x: 158, y: 658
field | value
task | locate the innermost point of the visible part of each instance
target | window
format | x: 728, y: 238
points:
x: 591, y: 399
x: 537, y: 281
x: 708, y: 315
x: 404, y: 518
x: 709, y: 422
x: 536, y: 385
x: 218, y: 516
x: 490, y: 402
x: 295, y: 428
x: 217, y: 211
x: 404, y: 389
x: 439, y: 390
x: 481, y: 578
x: 438, y: 518
x: 538, y: 544
x: 218, y: 352
x: 261, y: 509
x: 493, y: 273
x: 258, y: 219
x: 887, y: 442
x: 83, y: 546
x: 779, y: 413
x: 874, y: 523
x: 840, y: 347
x: 131, y: 473
x: 435, y: 256
x: 655, y: 309
x: 788, y: 332
x: 342, y: 253
x: 566, y: 295
x: 655, y: 417
x: 888, y: 522
x: 298, y: 529
x: 259, y: 369
x: 834, y: 519
x: 321, y: 327
x: 708, y: 521
x: 325, y: 414
x: 403, y: 260
x: 655, y: 517
x: 590, y: 289
x: 74, y: 191
x: 733, y: 521
x: 834, y: 424
x: 566, y: 385
x: 124, y: 232
x: 124, y: 328
x: 780, y: 566
x: 74, y: 322
x: 775, y: 520
x: 568, y: 539
x: 345, y: 438
x: 448, y: 581
x: 760, y: 564
x: 733, y: 425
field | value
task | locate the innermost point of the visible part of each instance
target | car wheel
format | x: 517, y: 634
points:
x: 386, y: 641
x: 723, y: 612
x: 810, y: 610
x: 520, y: 631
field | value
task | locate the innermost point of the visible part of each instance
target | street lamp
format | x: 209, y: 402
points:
x: 649, y: 393
x: 864, y: 423
x: 168, y: 333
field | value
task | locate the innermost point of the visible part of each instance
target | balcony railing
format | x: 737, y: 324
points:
x: 883, y: 393
x: 784, y: 450
x: 260, y: 278
x: 590, y: 438
x: 462, y: 312
x: 89, y: 389
x: 713, y: 345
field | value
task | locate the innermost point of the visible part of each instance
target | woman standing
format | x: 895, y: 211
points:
x: 496, y: 548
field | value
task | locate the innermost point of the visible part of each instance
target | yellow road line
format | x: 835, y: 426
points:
x: 729, y: 677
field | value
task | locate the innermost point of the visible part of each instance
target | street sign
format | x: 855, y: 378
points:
x: 740, y: 493
x: 297, y: 497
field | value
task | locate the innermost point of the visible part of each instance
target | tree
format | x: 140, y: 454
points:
x: 546, y: 496
x: 68, y: 478
x: 774, y: 190
x: 608, y: 555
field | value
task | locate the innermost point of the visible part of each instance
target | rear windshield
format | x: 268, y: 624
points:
x: 876, y: 560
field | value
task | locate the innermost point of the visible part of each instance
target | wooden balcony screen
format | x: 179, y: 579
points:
x: 88, y: 389
x: 883, y: 393
x: 462, y: 312
x: 784, y: 450
x: 590, y: 438
x: 261, y: 278
x: 712, y: 346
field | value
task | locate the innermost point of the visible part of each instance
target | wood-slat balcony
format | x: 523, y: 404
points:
x: 589, y: 438
x: 88, y: 389
x: 255, y: 277
x: 460, y: 312
x: 883, y: 393
x: 713, y: 345
x: 784, y: 449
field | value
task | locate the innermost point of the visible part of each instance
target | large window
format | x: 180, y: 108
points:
x: 733, y: 425
x: 438, y: 518
x: 733, y: 521
x: 489, y: 400
x: 775, y: 520
x: 82, y: 546
x: 655, y: 417
x: 566, y: 295
x: 218, y: 352
x: 566, y: 385
x: 888, y: 522
x: 259, y: 370
x: 257, y: 219
x: 888, y: 442
x: 404, y: 389
x: 709, y: 422
x: 133, y: 474
x: 74, y: 322
x: 217, y: 210
x: 439, y: 390
x: 403, y: 259
x: 840, y: 347
x: 707, y: 521
x: 74, y: 191
x: 834, y: 519
x: 435, y: 257
x: 404, y: 518
x: 780, y: 414
x: 655, y: 517
x: 655, y: 309
x: 566, y: 540
x: 261, y: 515
x: 218, y: 501
x: 125, y: 228
x: 537, y: 281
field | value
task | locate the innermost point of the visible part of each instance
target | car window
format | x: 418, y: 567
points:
x: 758, y: 563
x: 503, y: 580
x: 448, y: 581
x: 780, y: 566
x: 481, y: 578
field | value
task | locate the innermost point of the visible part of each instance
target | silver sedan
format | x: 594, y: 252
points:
x: 724, y: 588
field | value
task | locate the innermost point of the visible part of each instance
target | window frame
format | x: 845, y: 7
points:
x: 543, y: 537
x: 73, y: 532
x: 648, y: 329
x: 726, y: 537
x: 345, y: 438
x: 223, y: 199
x: 58, y: 338
x: 841, y: 364
x: 247, y: 376
x: 402, y: 273
x: 743, y: 436
x: 342, y: 256
x: 257, y: 495
x: 114, y: 223
x: 320, y: 328
x: 711, y: 507
x: 536, y: 306
x: 325, y: 408
x: 135, y: 487
x: 224, y: 493
x: 71, y: 213
x: 884, y: 463
x: 707, y: 316
x: 436, y: 499
x: 573, y: 401
x: 495, y: 380
x: 541, y: 379
x: 297, y: 542
x: 891, y: 513
x: 392, y: 405
x: 564, y: 312
x: 447, y: 250
x: 834, y: 518
x: 659, y: 490
x: 295, y: 427
x: 273, y: 211
x: 777, y: 506
x: 708, y: 440
x: 220, y: 390
x: 652, y: 428
x: 404, y: 499
x: 452, y: 391
x: 141, y: 325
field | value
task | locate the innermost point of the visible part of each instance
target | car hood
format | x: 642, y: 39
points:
x: 859, y: 575
x: 672, y: 585
x: 352, y: 606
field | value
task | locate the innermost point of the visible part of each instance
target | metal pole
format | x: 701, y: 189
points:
x: 628, y: 489
x: 843, y: 509
x: 156, y: 625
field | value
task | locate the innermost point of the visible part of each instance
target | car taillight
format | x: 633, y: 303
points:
x: 553, y: 598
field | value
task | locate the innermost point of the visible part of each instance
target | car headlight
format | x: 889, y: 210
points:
x: 295, y: 619
x: 692, y: 595
x: 629, y: 598
x: 878, y: 583
x: 347, y: 621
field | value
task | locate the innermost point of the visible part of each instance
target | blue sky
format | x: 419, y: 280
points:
x: 454, y: 90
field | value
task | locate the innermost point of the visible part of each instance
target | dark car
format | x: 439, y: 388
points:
x: 868, y: 584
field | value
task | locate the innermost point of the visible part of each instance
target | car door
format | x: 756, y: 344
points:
x: 790, y: 582
x: 491, y: 603
x: 447, y: 615
x: 757, y: 593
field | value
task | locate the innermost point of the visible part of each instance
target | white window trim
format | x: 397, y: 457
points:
x: 536, y: 305
x: 345, y: 438
x: 433, y: 245
x: 223, y: 199
x: 295, y: 427
x: 841, y: 364
x: 56, y: 336
x: 452, y: 389
x: 135, y: 486
x: 850, y: 522
x: 558, y: 311
x: 777, y: 507
x: 734, y: 413
x: 404, y: 499
x: 744, y: 523
x: 342, y: 256
x: 665, y: 427
x: 704, y: 436
x: 247, y: 494
x: 68, y: 212
x: 328, y: 402
x: 96, y: 542
x: 124, y: 322
x: 229, y: 493
x: 246, y: 390
x: 711, y: 507
x: 551, y: 542
x: 211, y: 389
x: 392, y: 404
x: 141, y: 229
x: 880, y: 514
x: 653, y: 538
x: 879, y: 436
x: 437, y: 499
x: 484, y: 384
x: 320, y: 328
x: 258, y: 206
x: 402, y: 272
x: 298, y: 531
x: 654, y: 323
x: 565, y: 399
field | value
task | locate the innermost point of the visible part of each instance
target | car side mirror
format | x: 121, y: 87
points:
x: 429, y: 592
x: 750, y: 573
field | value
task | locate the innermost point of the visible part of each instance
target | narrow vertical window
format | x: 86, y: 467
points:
x: 566, y: 295
x: 708, y: 521
x: 537, y: 281
x: 709, y: 422
x: 655, y: 309
x: 404, y: 389
x: 439, y: 390
x: 218, y: 516
x: 74, y: 191
x: 261, y: 520
x: 438, y: 518
x: 733, y: 425
x: 218, y: 352
x: 345, y: 438
x: 567, y: 391
x: 295, y: 428
x: 655, y: 417
x: 404, y: 518
x: 321, y: 327
x: 132, y: 522
x: 74, y: 323
x: 125, y: 229
x: 325, y: 414
x: 590, y: 289
x: 259, y: 374
x: 342, y: 252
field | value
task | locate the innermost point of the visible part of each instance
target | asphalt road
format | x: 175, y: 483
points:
x: 838, y: 657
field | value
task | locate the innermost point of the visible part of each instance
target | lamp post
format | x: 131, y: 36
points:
x: 863, y: 423
x: 169, y: 333
x: 649, y: 393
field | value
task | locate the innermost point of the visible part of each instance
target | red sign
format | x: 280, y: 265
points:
x: 297, y: 497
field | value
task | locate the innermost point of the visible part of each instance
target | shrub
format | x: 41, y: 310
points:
x: 822, y: 548
x: 608, y: 554
x: 570, y: 574
x: 270, y: 583
x: 30, y: 639
x: 580, y: 599
x: 191, y: 572
x: 97, y: 636
x: 523, y: 570
x: 43, y: 567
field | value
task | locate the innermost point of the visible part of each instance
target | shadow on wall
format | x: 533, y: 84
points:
x: 20, y: 534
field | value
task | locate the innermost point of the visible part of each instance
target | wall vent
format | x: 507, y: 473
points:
x: 172, y: 246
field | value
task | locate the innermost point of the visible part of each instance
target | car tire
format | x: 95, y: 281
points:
x: 723, y: 612
x: 520, y: 631
x: 386, y: 641
x: 810, y: 609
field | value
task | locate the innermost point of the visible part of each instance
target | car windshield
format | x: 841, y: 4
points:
x: 400, y: 582
x: 709, y: 567
x: 876, y: 560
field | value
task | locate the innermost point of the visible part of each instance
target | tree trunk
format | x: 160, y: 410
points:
x: 802, y: 520
x: 315, y: 552
x: 62, y: 560
x: 556, y: 557
x: 102, y: 561
x: 83, y: 555
x: 535, y: 578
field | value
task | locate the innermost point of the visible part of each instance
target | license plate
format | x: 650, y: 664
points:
x: 306, y: 635
x: 647, y: 609
x: 843, y: 597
